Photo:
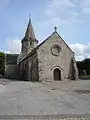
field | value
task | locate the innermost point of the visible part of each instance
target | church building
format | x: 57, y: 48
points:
x: 52, y: 60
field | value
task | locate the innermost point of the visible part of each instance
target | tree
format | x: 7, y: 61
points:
x: 2, y: 63
x: 84, y: 66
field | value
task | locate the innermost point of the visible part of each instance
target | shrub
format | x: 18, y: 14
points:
x: 2, y: 63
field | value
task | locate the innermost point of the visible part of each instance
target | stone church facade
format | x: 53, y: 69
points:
x: 51, y: 60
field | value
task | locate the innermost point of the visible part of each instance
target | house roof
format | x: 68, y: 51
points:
x: 11, y: 59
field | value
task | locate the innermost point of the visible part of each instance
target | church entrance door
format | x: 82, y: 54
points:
x: 57, y: 74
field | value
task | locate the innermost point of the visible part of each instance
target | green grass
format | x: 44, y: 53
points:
x: 84, y: 77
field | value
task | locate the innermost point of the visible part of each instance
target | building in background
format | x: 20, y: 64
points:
x: 11, y: 68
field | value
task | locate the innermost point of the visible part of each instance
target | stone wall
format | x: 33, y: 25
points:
x: 47, y: 62
x: 29, y: 68
x: 33, y: 68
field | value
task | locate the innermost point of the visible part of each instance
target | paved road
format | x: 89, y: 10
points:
x: 26, y: 98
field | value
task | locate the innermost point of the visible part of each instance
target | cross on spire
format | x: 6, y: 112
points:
x: 55, y: 29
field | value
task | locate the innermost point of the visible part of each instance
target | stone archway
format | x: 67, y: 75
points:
x: 57, y: 74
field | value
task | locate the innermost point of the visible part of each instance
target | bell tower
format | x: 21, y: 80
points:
x: 29, y: 42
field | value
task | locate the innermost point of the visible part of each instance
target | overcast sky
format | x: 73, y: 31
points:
x: 72, y: 18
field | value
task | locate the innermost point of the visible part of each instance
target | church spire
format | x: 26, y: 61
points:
x: 30, y: 31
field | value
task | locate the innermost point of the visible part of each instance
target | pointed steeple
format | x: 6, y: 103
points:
x: 30, y: 31
x: 29, y: 41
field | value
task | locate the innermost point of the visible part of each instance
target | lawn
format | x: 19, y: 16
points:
x: 84, y: 77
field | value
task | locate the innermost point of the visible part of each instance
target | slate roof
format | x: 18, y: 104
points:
x: 11, y: 59
x: 30, y: 31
